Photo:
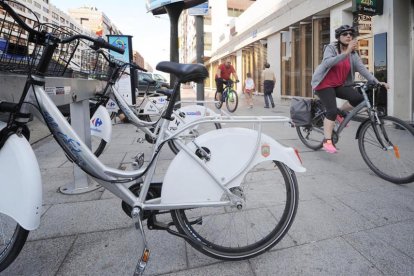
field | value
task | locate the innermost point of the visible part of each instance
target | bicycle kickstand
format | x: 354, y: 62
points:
x: 142, y: 263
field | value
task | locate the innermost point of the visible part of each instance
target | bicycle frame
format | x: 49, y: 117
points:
x: 372, y: 116
x: 116, y: 180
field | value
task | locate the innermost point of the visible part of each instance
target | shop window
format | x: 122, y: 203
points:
x: 296, y: 60
x: 254, y: 57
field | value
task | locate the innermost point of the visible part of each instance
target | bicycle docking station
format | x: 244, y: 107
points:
x: 62, y: 91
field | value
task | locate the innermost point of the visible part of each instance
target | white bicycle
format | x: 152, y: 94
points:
x: 232, y: 193
x: 145, y: 116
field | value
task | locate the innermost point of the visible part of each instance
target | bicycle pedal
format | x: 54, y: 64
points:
x: 138, y: 160
x: 142, y: 262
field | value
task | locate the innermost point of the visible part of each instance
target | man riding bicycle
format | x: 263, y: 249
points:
x: 224, y: 72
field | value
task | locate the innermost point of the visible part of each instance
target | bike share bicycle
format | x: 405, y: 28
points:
x: 142, y: 118
x: 215, y: 201
x: 386, y: 143
x: 229, y: 96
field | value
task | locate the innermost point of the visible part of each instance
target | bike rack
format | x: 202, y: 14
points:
x: 75, y: 92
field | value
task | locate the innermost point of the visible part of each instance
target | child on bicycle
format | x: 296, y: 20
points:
x: 334, y: 77
x: 248, y: 90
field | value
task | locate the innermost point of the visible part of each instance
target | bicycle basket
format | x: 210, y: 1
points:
x: 94, y: 65
x: 301, y: 111
x: 20, y: 52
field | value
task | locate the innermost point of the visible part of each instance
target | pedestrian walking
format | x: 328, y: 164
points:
x: 248, y: 90
x: 269, y: 80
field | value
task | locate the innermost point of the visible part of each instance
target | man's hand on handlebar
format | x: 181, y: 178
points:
x: 384, y: 84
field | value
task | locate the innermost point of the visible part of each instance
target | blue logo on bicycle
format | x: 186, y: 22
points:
x: 192, y: 113
x: 97, y: 122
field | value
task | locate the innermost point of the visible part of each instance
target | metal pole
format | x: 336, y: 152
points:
x: 132, y: 73
x: 199, y: 19
x: 174, y: 11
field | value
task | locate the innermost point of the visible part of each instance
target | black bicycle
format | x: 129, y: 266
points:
x: 229, y: 96
x: 386, y: 143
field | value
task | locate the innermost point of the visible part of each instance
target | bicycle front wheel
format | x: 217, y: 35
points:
x: 218, y: 99
x: 232, y: 101
x: 270, y: 196
x: 12, y: 239
x: 395, y: 161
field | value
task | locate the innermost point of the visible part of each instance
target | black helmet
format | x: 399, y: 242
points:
x: 343, y: 28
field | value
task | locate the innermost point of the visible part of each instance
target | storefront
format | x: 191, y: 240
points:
x: 292, y: 39
x: 301, y: 51
x: 254, y: 57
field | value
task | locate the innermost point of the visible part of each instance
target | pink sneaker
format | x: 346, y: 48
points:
x: 340, y: 119
x: 329, y: 147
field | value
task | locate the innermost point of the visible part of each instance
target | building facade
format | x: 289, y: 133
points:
x: 291, y: 35
x: 95, y: 20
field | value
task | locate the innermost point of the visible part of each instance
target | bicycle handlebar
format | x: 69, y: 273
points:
x: 132, y: 64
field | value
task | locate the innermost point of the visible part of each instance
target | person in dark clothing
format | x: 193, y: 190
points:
x: 269, y: 80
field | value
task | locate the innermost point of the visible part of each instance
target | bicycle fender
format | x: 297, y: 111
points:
x: 188, y: 114
x: 21, y: 184
x: 230, y: 149
x: 154, y: 105
x: 111, y: 106
x: 101, y: 125
x: 359, y: 128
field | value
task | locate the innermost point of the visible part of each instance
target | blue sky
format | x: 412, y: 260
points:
x: 151, y: 35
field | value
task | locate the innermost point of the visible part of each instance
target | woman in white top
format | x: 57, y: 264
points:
x: 248, y: 90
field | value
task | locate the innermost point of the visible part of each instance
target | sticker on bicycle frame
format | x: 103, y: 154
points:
x: 50, y: 90
x: 265, y: 150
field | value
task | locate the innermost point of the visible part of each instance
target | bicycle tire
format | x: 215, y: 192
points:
x: 277, y: 222
x: 396, y: 164
x: 174, y: 147
x: 218, y: 102
x: 11, y: 245
x: 232, y: 101
x: 306, y: 135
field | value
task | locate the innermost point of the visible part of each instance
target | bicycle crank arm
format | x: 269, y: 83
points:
x: 142, y: 263
x: 139, y: 270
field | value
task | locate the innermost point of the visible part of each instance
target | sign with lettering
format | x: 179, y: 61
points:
x: 368, y: 7
x: 201, y: 9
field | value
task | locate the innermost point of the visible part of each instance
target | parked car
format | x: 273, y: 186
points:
x: 161, y: 80
x: 143, y: 79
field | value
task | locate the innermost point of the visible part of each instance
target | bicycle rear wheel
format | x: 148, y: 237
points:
x: 311, y: 136
x: 271, y: 198
x: 395, y: 163
x: 217, y: 98
x: 12, y: 239
x: 232, y: 101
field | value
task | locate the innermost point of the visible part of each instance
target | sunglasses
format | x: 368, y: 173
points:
x: 348, y: 33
